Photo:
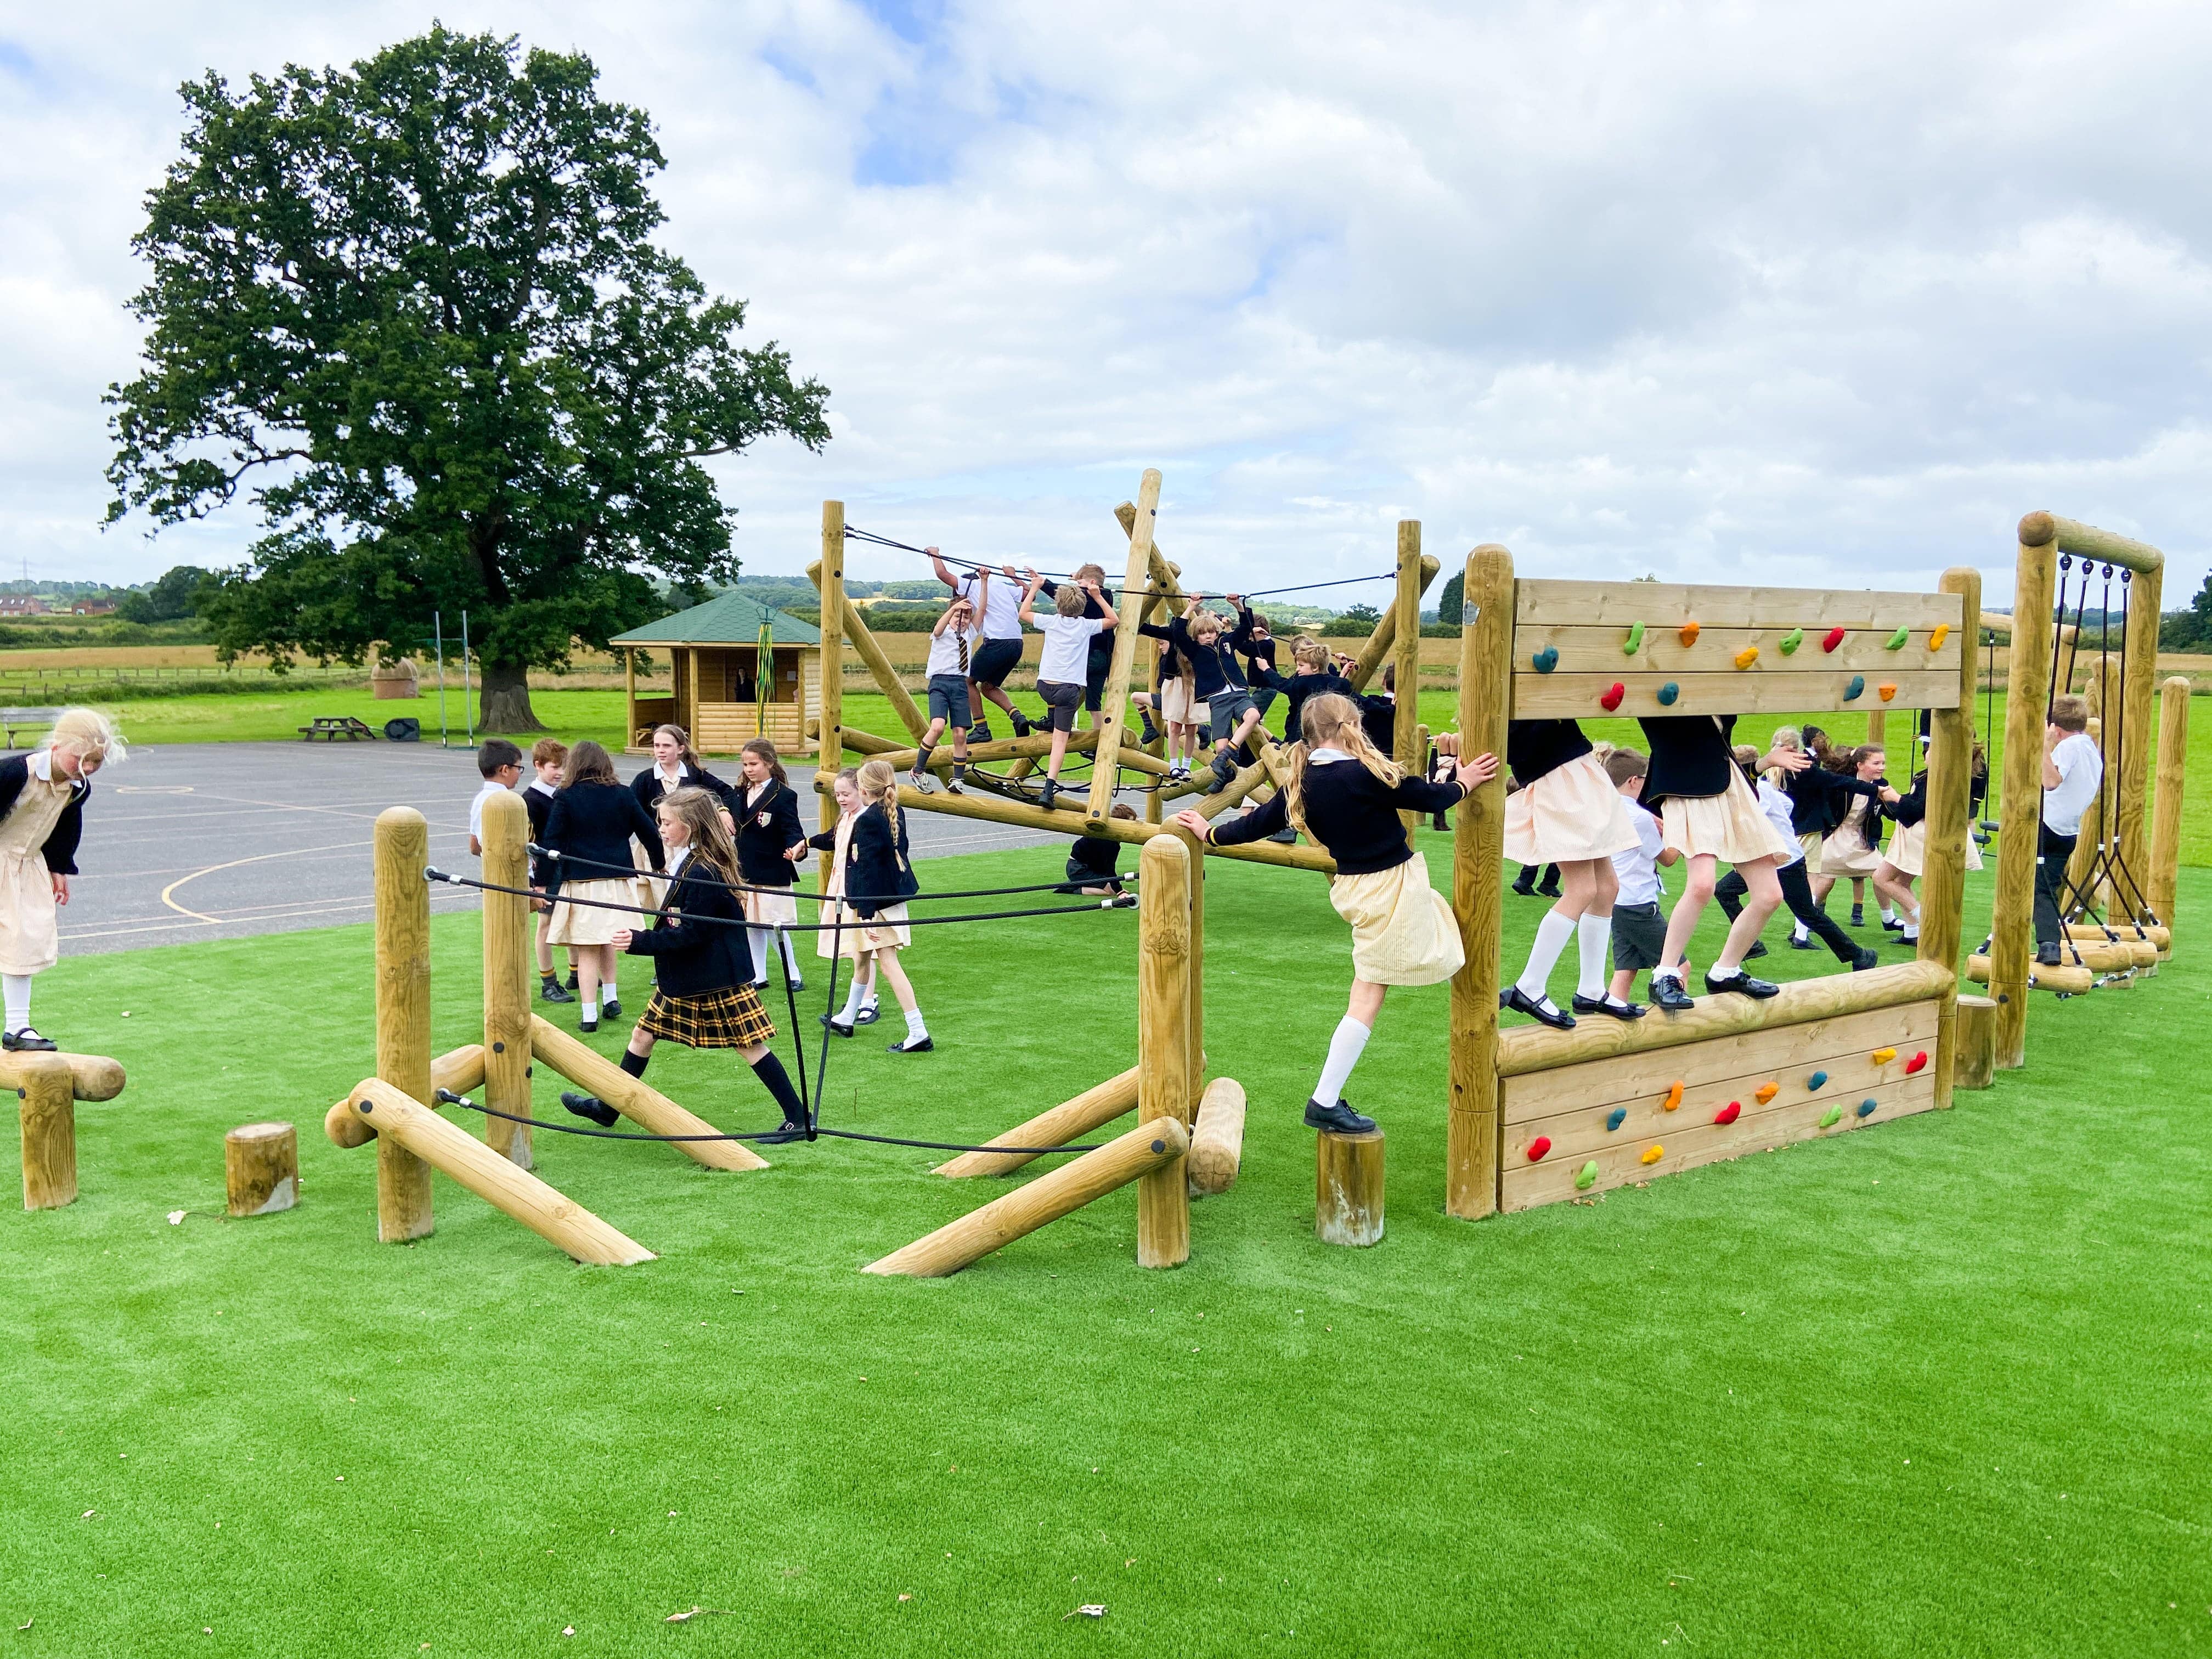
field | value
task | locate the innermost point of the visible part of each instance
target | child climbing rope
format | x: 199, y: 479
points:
x: 42, y: 796
x: 1062, y: 668
x: 952, y: 644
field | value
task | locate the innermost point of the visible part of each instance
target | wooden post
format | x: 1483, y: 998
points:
x: 403, y: 1012
x: 2012, y: 932
x: 1948, y: 822
x: 1194, y: 1001
x: 1056, y: 1128
x: 1114, y: 699
x: 48, y: 1112
x: 1406, y: 748
x: 507, y: 978
x: 2149, y: 586
x: 1348, y: 1188
x: 2165, y: 818
x: 401, y: 1121
x: 831, y: 757
x: 1147, y: 1147
x: 1877, y: 726
x: 1486, y: 704
x: 1164, y: 1036
x: 1974, y: 1044
x: 630, y: 695
x: 1217, y: 1144
x: 637, y: 1099
x: 261, y: 1168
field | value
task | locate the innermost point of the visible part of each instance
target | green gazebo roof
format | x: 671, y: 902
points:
x: 728, y: 618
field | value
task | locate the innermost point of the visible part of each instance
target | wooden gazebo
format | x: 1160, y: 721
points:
x: 715, y: 651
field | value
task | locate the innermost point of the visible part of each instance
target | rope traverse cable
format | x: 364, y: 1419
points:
x: 792, y: 893
x: 448, y: 1098
x: 1145, y: 593
x: 640, y: 911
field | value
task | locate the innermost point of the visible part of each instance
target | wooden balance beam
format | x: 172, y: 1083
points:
x: 2156, y: 934
x: 1097, y: 1105
x: 456, y: 1072
x: 642, y: 1104
x: 2066, y: 977
x: 399, y: 1120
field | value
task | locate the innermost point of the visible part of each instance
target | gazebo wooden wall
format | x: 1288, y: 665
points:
x: 714, y: 697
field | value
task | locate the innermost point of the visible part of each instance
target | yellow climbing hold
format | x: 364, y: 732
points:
x: 1766, y: 1092
x: 1943, y: 633
x: 1883, y: 1056
x: 1748, y: 655
x: 1674, y: 1097
x: 1653, y: 1154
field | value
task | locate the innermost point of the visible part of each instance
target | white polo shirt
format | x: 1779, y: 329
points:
x: 1637, y: 868
x: 2081, y: 770
x: 1066, y: 647
x: 945, y: 656
x: 1001, y: 607
x: 476, y: 807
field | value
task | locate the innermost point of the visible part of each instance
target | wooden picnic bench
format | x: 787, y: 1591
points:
x: 331, y: 727
x: 15, y: 720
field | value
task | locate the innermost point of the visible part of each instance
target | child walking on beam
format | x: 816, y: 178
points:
x: 702, y: 996
x: 1344, y: 794
x: 832, y: 943
x: 1566, y: 812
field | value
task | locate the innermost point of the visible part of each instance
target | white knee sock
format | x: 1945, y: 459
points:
x: 1593, y: 937
x: 852, y: 1002
x: 756, y: 941
x: 1552, y: 936
x: 914, y: 1028
x: 1344, y: 1050
x: 790, y: 956
x: 1800, y: 934
x: 16, y: 990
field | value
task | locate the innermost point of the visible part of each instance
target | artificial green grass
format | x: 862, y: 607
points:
x: 1932, y: 1389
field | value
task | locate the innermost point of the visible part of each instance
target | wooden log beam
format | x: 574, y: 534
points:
x: 1949, y: 822
x: 1099, y: 1104
x: 1000, y: 749
x: 1348, y: 1188
x: 2068, y: 978
x: 643, y: 1105
x: 457, y: 1071
x: 47, y: 1112
x: 1233, y: 793
x: 1050, y: 1196
x: 1113, y: 696
x: 830, y: 582
x: 1217, y: 1144
x: 92, y: 1077
x: 1486, y: 703
x: 506, y: 978
x: 1405, y: 613
x: 2163, y: 877
x: 2097, y: 933
x: 1997, y: 622
x: 1372, y: 655
x: 401, y: 1121
x: 1540, y: 1048
x: 854, y: 627
x: 261, y: 1169
x: 2087, y: 541
x: 2012, y: 926
x: 402, y: 849
x: 1164, y: 1080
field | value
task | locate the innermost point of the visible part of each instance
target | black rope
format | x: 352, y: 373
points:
x: 430, y: 874
x: 791, y: 892
x: 782, y: 1136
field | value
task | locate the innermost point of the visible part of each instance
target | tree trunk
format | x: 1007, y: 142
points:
x: 507, y: 699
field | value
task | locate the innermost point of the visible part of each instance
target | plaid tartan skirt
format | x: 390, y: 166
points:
x: 730, y: 1018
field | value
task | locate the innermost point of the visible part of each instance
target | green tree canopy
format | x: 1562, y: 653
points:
x: 413, y: 311
x: 168, y: 599
x: 1452, y: 599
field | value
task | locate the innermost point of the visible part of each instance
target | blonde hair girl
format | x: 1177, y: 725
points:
x: 42, y: 797
x: 1345, y: 794
x: 878, y: 879
x: 860, y: 996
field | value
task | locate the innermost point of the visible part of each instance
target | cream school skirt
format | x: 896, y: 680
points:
x: 30, y: 943
x: 1571, y: 812
x: 1846, y: 853
x: 1403, y: 932
x: 1908, y: 849
x: 886, y: 931
x: 1729, y: 825
x: 1809, y: 844
x: 770, y: 909
x: 576, y: 924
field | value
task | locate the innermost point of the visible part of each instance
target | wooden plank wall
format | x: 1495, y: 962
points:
x: 1572, y: 1106
x: 1588, y: 625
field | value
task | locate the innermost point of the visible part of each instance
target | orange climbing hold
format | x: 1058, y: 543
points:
x: 1766, y: 1091
x: 1689, y: 633
x: 1888, y: 690
x: 1653, y: 1154
x: 1674, y: 1097
x: 1748, y: 655
x: 1916, y: 1063
x: 1730, y: 1113
x: 1883, y: 1056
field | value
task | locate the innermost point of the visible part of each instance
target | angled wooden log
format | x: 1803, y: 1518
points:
x: 402, y: 1121
x: 1373, y: 654
x: 854, y: 628
x: 637, y: 1099
x: 1114, y: 697
x: 456, y: 1072
x: 1062, y: 1124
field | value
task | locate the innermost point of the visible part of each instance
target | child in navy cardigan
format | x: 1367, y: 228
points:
x: 42, y: 797
x: 769, y: 842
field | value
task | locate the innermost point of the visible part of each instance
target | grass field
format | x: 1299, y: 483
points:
x: 1935, y: 1389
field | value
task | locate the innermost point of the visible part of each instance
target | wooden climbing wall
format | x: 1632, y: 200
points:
x: 1605, y: 1118
x: 1755, y: 650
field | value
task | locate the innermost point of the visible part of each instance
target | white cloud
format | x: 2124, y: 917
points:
x: 1779, y: 292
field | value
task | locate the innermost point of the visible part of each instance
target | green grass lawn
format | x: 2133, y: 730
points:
x: 1934, y: 1389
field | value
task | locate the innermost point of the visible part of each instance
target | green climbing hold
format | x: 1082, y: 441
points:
x: 1586, y: 1177
x: 1857, y: 685
x: 1832, y: 1117
x: 1791, y: 640
x: 1667, y: 693
x: 1818, y: 1081
x: 1634, y: 643
x: 1896, y: 641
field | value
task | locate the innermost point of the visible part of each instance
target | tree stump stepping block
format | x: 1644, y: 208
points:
x: 1348, y: 1188
x: 261, y: 1168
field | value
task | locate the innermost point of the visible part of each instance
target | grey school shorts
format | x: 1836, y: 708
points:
x: 1229, y: 708
x: 1639, y: 935
x: 994, y: 661
x: 948, y: 699
x: 1061, y: 698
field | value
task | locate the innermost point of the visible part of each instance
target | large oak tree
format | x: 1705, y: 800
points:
x: 413, y: 312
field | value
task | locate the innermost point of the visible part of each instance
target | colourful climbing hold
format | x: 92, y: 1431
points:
x: 1819, y: 1079
x: 1853, y: 691
x: 1943, y: 633
x: 1730, y: 1113
x: 1832, y: 1117
x: 1667, y: 693
x: 1586, y: 1177
x: 1867, y: 1106
x: 1616, y: 1117
x: 1835, y: 637
x: 1766, y: 1091
x: 1674, y: 1097
x: 1748, y: 655
x: 1791, y: 640
x: 1611, y: 699
x: 1546, y: 660
x: 1634, y: 643
x: 1538, y: 1147
x: 1888, y: 690
x: 1653, y: 1154
x: 1896, y: 641
x: 1883, y: 1056
x: 1916, y: 1062
x: 1689, y: 632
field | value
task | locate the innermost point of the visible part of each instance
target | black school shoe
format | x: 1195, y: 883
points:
x: 1865, y: 959
x: 593, y: 1107
x: 837, y: 1027
x: 1338, y: 1120
x: 26, y: 1040
x: 1548, y: 889
x: 1526, y: 888
x: 910, y: 1046
x: 1147, y: 733
x: 783, y: 1136
x: 588, y: 1027
x: 1858, y: 916
x: 610, y: 1010
x: 1022, y: 724
x: 1667, y: 992
x: 981, y: 731
x: 869, y: 1014
x: 2046, y: 956
x: 1608, y: 1006
x: 1808, y: 943
x: 1048, y: 793
x: 1892, y: 925
x: 572, y: 979
x: 1522, y: 1003
x: 1758, y: 949
x: 1743, y: 984
x: 548, y: 990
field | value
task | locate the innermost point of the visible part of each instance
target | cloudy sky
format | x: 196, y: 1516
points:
x: 1727, y: 292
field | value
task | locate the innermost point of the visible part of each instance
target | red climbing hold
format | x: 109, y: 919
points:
x: 1730, y: 1113
x: 1835, y: 639
x: 1916, y: 1062
x: 1611, y: 699
x: 1538, y: 1147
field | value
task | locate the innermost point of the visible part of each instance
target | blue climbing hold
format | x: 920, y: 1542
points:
x: 1817, y: 1080
x: 1867, y: 1106
x: 1616, y: 1117
x: 1857, y: 685
x: 1667, y: 693
x: 1546, y: 660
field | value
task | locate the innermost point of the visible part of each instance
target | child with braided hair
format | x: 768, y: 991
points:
x: 879, y: 879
